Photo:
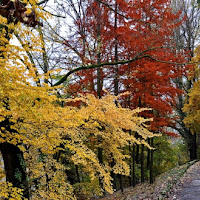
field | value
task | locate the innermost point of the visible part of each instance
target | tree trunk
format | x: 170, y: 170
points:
x: 116, y: 79
x: 142, y: 163
x: 151, y: 163
x: 137, y: 160
x: 133, y: 167
x: 193, y: 147
x: 130, y: 153
x: 148, y: 155
x: 77, y: 174
x: 100, y: 157
x: 99, y: 81
x: 15, y: 167
x: 114, y: 177
x: 121, y: 183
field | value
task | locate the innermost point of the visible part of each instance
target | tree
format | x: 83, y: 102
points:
x: 186, y: 36
x: 192, y: 106
x: 12, y: 155
x: 132, y: 53
x: 142, y: 36
x: 39, y: 130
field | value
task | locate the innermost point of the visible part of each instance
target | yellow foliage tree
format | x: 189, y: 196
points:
x: 33, y: 124
x: 192, y: 107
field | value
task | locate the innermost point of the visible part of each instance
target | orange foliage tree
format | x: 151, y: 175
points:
x: 143, y: 35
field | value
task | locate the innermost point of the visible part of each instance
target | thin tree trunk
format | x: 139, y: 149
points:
x: 44, y: 55
x: 116, y: 79
x: 99, y: 52
x: 142, y: 163
x: 151, y: 163
x: 137, y: 160
x: 130, y: 153
x: 121, y: 183
x: 133, y: 167
x: 77, y: 173
x: 148, y: 154
x: 99, y: 81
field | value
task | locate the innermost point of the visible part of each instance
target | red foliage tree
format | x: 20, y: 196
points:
x: 144, y: 32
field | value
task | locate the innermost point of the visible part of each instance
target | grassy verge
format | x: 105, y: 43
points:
x: 165, y: 182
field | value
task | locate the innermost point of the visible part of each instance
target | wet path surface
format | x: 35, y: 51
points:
x: 191, y: 190
x: 189, y: 187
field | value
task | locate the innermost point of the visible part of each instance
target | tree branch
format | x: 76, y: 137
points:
x: 55, y: 15
x: 31, y: 59
x: 41, y: 2
x: 167, y: 62
x: 137, y: 57
x: 128, y: 18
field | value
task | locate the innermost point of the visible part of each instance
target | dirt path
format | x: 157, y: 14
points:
x: 189, y: 186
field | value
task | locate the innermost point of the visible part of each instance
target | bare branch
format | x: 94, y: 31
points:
x: 128, y: 18
x: 31, y: 59
x: 137, y: 57
x: 41, y: 2
x: 53, y: 14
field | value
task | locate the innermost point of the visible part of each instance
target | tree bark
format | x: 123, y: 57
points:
x: 121, y: 179
x: 193, y: 146
x: 151, y: 163
x: 99, y: 81
x: 77, y: 174
x: 148, y: 154
x: 137, y: 159
x: 142, y: 163
x: 15, y: 167
x: 133, y: 167
x: 130, y: 153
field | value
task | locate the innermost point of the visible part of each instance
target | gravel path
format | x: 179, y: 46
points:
x: 188, y: 187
